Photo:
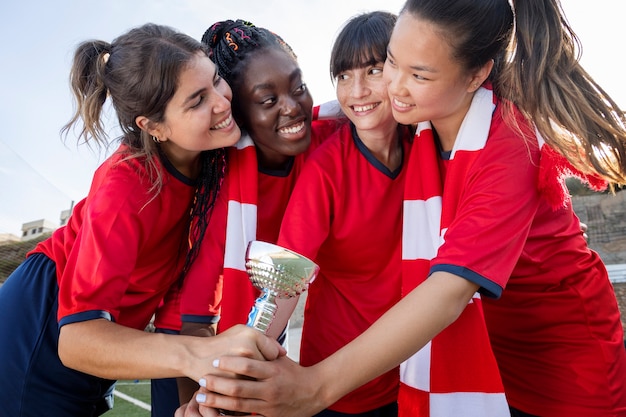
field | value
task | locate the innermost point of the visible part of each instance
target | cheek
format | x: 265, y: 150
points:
x: 224, y: 89
x: 306, y: 102
x: 342, y: 93
x: 388, y: 73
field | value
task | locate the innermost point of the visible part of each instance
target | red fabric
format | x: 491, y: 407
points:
x: 117, y: 252
x: 251, y: 207
x: 555, y: 331
x: 555, y: 168
x: 346, y: 214
x: 455, y: 373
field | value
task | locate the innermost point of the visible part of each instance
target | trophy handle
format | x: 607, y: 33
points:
x: 263, y: 312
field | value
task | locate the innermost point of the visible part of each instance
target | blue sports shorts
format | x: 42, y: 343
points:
x: 33, y: 381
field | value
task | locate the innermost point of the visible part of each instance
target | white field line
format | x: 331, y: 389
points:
x: 133, y: 400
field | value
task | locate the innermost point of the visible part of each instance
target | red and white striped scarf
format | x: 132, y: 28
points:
x: 456, y: 372
x: 241, y: 223
x: 241, y: 226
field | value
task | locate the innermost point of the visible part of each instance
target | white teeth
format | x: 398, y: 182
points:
x: 400, y: 103
x: 364, y: 108
x: 224, y: 123
x: 292, y: 129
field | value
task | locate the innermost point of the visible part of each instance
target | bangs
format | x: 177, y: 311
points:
x: 360, y: 44
x: 353, y: 58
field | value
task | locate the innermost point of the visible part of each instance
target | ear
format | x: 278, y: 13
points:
x: 151, y: 128
x: 479, y: 77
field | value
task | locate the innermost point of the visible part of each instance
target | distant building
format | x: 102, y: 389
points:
x: 65, y: 215
x: 34, y: 229
x: 8, y: 238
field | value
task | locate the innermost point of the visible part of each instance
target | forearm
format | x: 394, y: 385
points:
x: 284, y: 310
x: 396, y: 336
x: 108, y: 350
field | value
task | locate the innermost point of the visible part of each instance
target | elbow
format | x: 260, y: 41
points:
x: 68, y: 348
x: 65, y: 355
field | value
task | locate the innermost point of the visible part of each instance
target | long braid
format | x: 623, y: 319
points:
x: 210, y: 182
x: 228, y: 45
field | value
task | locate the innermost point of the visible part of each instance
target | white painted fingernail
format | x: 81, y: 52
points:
x: 200, y: 398
x: 216, y: 363
x: 202, y: 382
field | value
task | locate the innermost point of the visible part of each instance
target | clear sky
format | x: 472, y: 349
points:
x: 40, y: 175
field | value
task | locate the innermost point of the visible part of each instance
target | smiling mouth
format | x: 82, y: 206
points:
x: 293, y: 129
x: 224, y: 123
x: 401, y: 104
x: 360, y: 109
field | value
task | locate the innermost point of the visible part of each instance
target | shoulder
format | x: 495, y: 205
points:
x: 335, y: 146
x: 322, y: 130
x: 511, y: 134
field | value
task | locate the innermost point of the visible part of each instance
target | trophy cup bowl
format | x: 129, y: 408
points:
x: 278, y: 273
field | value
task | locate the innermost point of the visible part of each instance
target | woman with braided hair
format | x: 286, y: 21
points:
x: 75, y: 310
x: 503, y: 110
x: 274, y: 109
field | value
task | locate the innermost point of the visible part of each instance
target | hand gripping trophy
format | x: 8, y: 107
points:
x: 278, y: 273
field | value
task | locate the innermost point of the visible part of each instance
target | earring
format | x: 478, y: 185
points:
x: 155, y: 139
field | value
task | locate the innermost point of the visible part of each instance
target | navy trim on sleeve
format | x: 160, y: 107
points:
x: 192, y: 318
x: 84, y: 316
x: 487, y: 287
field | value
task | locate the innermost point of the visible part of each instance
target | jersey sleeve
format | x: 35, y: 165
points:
x: 496, y: 208
x: 100, y: 264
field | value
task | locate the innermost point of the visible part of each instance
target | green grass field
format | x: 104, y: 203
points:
x: 132, y: 399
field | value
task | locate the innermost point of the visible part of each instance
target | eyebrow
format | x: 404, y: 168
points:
x: 415, y: 67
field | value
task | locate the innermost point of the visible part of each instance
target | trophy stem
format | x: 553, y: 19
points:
x: 263, y: 312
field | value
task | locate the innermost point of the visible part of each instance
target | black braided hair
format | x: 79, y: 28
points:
x: 231, y: 42
x: 209, y: 183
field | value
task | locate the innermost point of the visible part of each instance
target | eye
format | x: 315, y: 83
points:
x: 198, y: 102
x: 376, y: 70
x: 269, y: 100
x: 301, y: 89
x: 217, y: 80
x: 342, y: 76
x: 390, y: 61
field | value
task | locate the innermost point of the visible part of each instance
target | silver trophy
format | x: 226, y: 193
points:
x: 278, y: 273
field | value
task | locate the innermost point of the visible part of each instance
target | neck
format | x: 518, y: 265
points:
x: 384, y: 144
x: 274, y: 162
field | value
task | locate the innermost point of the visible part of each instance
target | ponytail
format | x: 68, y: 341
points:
x: 546, y: 81
x: 90, y: 93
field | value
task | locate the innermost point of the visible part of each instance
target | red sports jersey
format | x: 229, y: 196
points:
x: 250, y: 206
x: 555, y: 330
x: 346, y: 214
x: 121, y: 249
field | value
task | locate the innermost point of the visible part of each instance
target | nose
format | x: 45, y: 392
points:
x: 394, y: 82
x: 289, y: 106
x: 221, y: 103
x: 359, y: 88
